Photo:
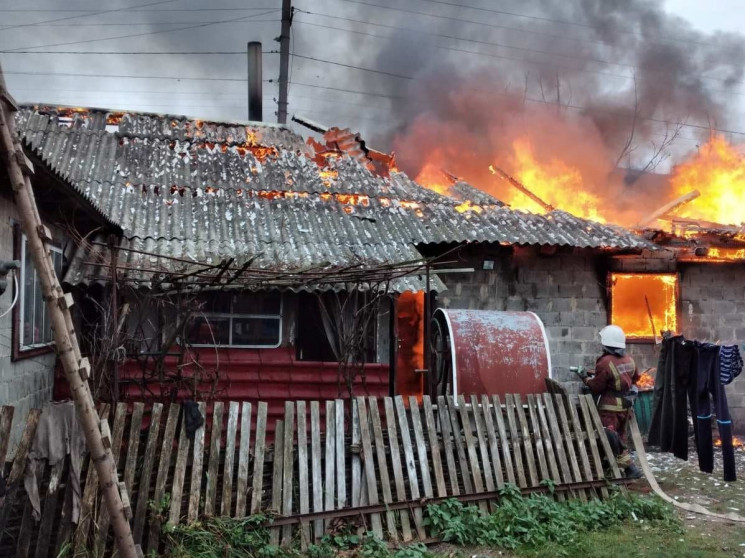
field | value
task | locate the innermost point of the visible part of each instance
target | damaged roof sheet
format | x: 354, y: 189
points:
x: 204, y: 191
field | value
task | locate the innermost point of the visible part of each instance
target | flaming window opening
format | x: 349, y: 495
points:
x: 644, y: 304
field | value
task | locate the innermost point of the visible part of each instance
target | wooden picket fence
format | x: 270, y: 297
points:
x: 376, y: 463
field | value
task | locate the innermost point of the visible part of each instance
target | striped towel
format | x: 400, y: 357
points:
x: 730, y: 363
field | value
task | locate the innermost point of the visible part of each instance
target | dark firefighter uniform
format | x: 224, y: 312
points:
x: 614, y: 376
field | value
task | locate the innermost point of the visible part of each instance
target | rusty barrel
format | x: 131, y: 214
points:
x: 493, y: 352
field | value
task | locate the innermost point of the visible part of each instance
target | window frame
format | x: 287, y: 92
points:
x: 19, y: 350
x: 223, y: 315
x: 650, y: 339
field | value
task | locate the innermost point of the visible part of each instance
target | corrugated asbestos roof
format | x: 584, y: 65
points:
x: 204, y: 191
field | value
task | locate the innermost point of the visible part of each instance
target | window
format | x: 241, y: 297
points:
x: 35, y: 327
x: 249, y: 320
x: 644, y: 304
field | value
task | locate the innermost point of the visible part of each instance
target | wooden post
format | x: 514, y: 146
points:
x: 64, y: 338
x: 284, y: 61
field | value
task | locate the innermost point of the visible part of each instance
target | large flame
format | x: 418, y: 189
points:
x: 718, y: 172
x: 644, y: 304
x: 557, y: 183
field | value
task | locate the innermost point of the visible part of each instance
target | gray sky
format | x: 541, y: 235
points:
x: 212, y: 86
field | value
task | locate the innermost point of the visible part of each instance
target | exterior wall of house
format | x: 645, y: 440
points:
x: 25, y: 383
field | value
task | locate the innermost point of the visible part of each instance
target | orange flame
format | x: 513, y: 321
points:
x: 736, y: 442
x: 328, y: 176
x: 718, y: 172
x: 645, y: 381
x: 433, y: 178
x: 553, y: 181
x: 467, y: 206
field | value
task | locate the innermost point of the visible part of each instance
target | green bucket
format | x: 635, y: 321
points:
x: 643, y: 410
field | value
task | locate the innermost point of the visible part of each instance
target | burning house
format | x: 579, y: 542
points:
x: 245, y: 250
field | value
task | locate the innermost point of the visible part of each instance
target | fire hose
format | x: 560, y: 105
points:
x: 642, y: 458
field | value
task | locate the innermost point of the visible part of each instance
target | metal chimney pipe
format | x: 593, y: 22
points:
x: 255, y: 93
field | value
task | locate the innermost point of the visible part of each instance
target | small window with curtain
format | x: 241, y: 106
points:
x: 34, y: 327
x: 248, y: 320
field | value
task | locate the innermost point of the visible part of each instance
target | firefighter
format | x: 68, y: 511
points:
x: 613, y: 380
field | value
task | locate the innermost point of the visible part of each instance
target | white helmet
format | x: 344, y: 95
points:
x: 613, y: 336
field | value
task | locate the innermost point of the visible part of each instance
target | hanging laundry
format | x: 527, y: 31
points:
x: 709, y: 384
x: 730, y: 363
x: 675, y: 388
x: 689, y: 376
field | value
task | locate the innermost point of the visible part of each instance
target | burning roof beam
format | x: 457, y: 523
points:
x: 547, y: 207
x: 668, y: 208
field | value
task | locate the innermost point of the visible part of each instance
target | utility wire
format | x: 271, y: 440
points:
x: 67, y: 18
x: 353, y: 67
x: 53, y: 10
x: 130, y: 76
x: 145, y: 34
x: 135, y: 24
x: 149, y: 52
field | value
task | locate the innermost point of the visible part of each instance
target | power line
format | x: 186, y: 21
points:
x: 133, y: 24
x: 353, y: 67
x: 145, y: 34
x: 149, y: 52
x: 53, y: 10
x: 67, y: 18
x: 344, y: 90
x: 128, y: 76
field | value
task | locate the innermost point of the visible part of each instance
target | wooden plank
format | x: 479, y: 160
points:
x: 434, y: 446
x: 257, y: 485
x: 604, y: 443
x: 410, y: 465
x: 210, y: 496
x: 579, y: 439
x: 369, y: 464
x: 567, y: 434
x: 515, y: 442
x: 356, y: 460
x: 229, y: 469
x: 244, y: 455
x: 179, y: 473
x: 459, y: 447
x: 302, y: 468
x: 473, y: 458
x: 478, y: 419
x: 398, y: 475
x: 143, y: 492
x: 48, y: 512
x: 491, y: 435
x: 558, y: 442
x: 164, y: 464
x: 315, y: 451
x: 288, y: 469
x: 82, y: 532
x: 120, y: 416
x: 278, y: 460
x: 385, y: 483
x: 447, y: 444
x: 591, y: 437
x: 64, y: 529
x: 535, y: 425
x: 421, y: 446
x: 196, y: 469
x: 23, y: 545
x: 341, y: 468
x: 135, y: 428
x: 552, y: 457
x: 6, y: 421
x: 527, y: 441
x: 330, y: 460
x: 509, y: 467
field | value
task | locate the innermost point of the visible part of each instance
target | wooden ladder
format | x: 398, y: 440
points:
x: 77, y: 367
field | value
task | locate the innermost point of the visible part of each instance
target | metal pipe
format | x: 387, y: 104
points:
x: 255, y: 93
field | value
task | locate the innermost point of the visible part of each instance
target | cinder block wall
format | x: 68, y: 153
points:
x: 27, y: 383
x: 568, y: 291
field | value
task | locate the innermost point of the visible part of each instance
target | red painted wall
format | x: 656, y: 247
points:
x: 270, y: 375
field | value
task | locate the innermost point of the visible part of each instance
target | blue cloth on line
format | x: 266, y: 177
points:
x: 730, y: 363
